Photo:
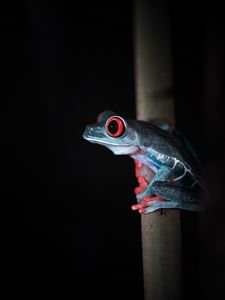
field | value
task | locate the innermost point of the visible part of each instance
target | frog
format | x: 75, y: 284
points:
x: 177, y: 176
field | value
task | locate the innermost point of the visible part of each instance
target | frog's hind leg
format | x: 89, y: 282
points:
x: 175, y: 197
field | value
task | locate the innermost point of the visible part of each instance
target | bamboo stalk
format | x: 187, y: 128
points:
x: 161, y: 233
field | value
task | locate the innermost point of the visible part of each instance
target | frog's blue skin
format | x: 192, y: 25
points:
x: 177, y: 177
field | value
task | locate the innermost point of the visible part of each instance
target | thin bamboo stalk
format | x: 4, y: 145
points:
x: 161, y: 233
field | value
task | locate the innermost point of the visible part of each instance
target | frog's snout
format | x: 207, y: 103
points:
x: 93, y: 132
x: 87, y: 132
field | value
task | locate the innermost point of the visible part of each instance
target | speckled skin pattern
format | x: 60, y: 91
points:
x: 177, y: 177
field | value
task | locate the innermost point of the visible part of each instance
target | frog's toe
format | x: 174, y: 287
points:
x: 153, y: 198
x: 147, y: 202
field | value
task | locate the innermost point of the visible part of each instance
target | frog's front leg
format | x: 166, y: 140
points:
x: 162, y: 174
x: 148, y: 196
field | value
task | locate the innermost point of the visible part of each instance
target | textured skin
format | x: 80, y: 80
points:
x: 177, y: 179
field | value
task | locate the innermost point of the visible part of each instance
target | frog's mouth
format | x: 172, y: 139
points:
x: 116, y: 148
x: 100, y: 141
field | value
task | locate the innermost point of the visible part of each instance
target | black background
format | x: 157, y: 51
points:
x: 67, y: 227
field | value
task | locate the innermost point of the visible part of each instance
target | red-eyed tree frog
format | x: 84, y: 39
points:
x: 177, y: 176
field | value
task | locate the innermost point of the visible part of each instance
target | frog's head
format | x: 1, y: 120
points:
x: 113, y: 132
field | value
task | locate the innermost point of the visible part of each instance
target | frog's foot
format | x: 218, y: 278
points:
x: 145, y: 203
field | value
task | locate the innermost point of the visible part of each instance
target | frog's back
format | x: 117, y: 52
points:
x: 172, y: 145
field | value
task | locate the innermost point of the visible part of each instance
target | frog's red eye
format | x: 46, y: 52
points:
x: 115, y: 127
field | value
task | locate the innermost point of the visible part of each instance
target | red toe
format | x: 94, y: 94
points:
x: 154, y: 198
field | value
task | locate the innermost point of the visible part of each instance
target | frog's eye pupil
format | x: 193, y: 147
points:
x: 115, y: 127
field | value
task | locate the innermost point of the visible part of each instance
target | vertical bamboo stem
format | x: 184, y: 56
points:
x: 161, y: 233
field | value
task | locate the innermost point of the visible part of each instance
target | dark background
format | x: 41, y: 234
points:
x: 67, y: 227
